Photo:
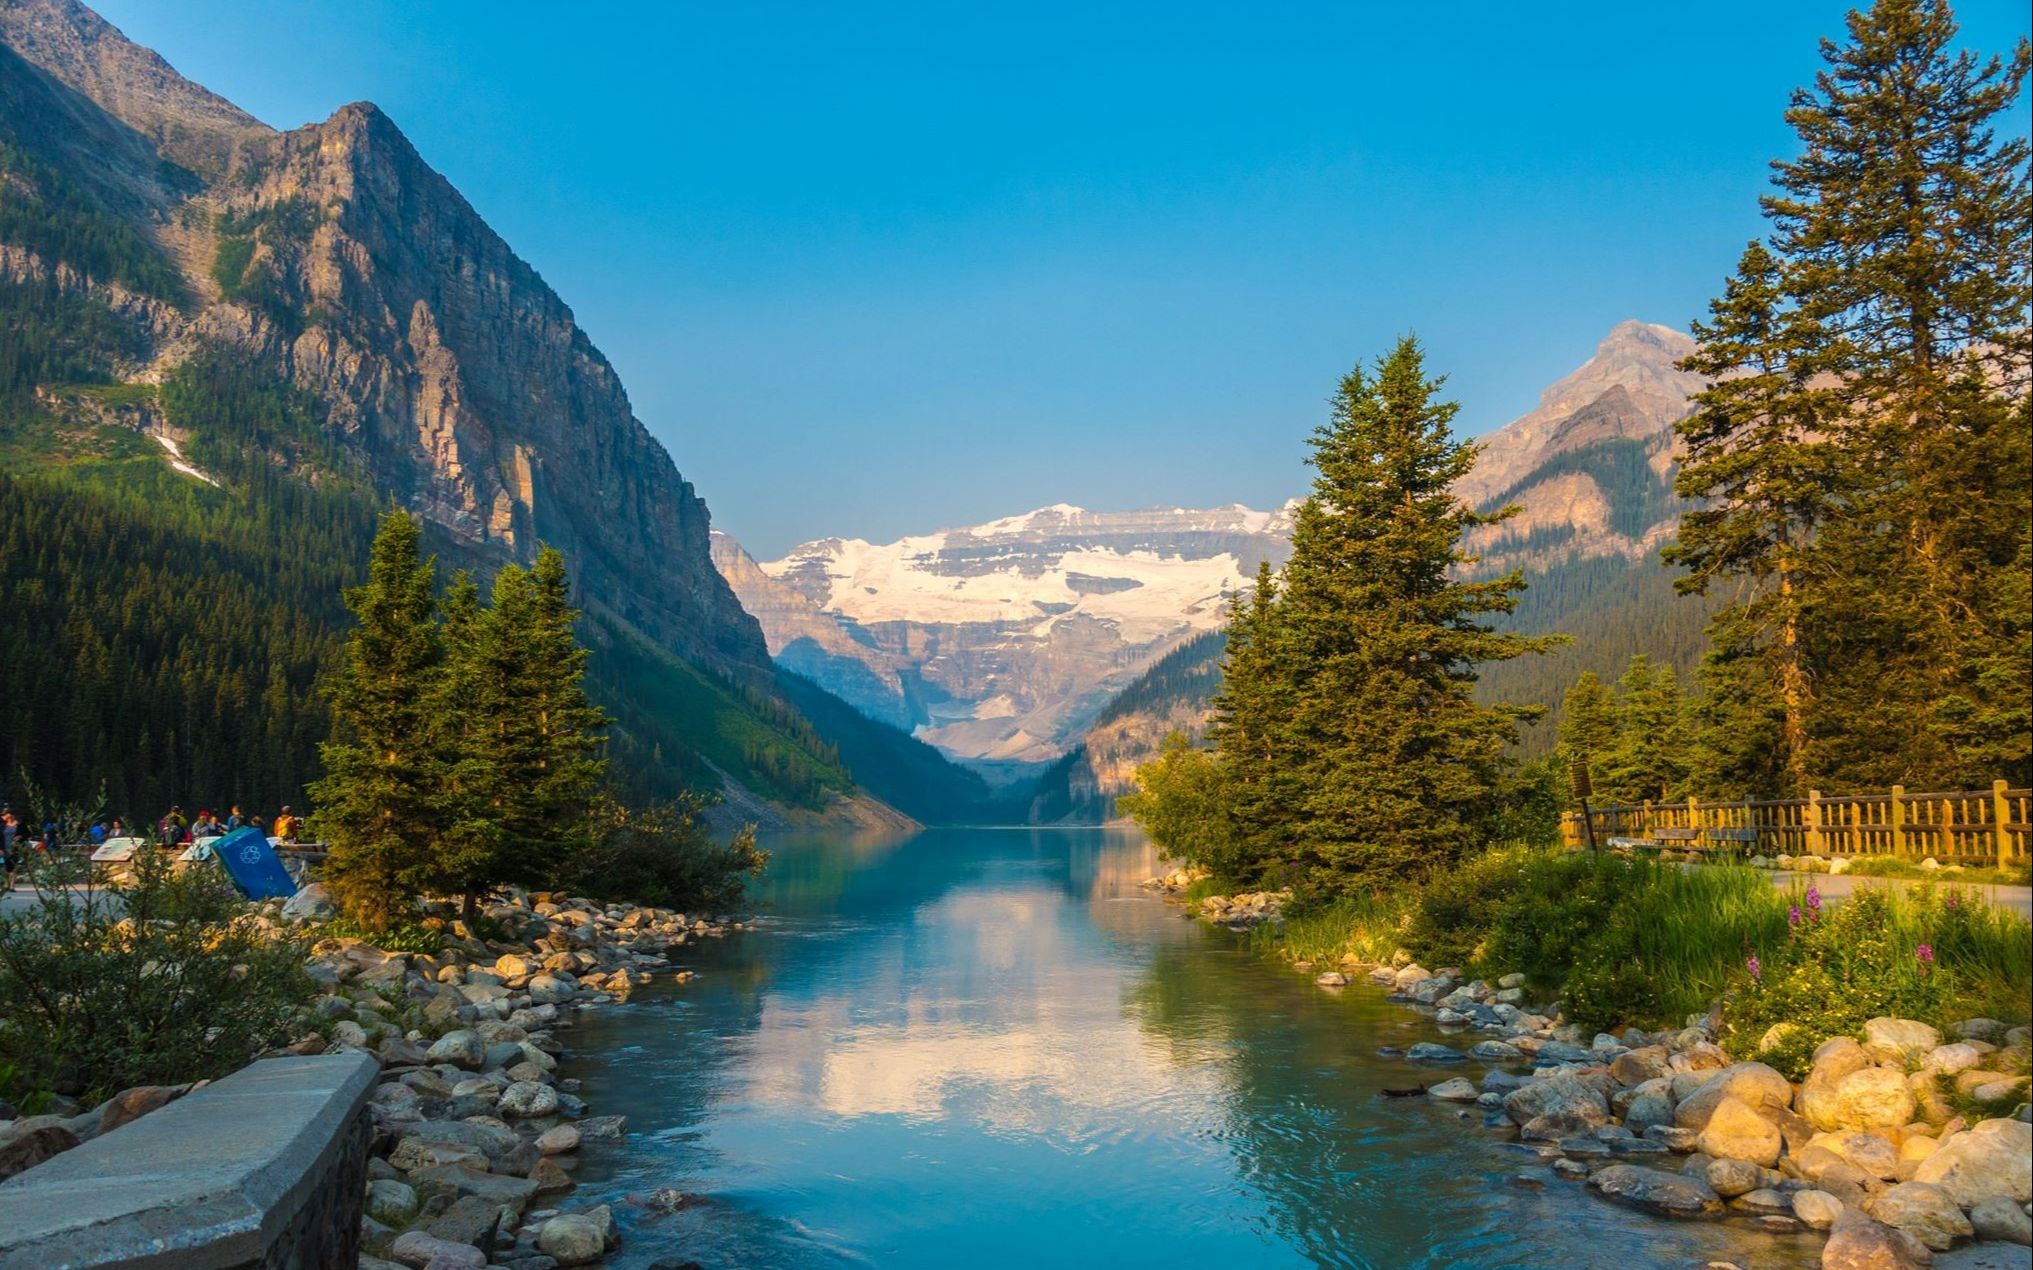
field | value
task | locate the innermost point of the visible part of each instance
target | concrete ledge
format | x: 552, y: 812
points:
x: 264, y: 1168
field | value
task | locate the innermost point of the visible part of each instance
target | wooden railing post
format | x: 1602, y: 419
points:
x: 2001, y: 815
x: 1694, y: 818
x: 1898, y: 821
x: 1811, y: 822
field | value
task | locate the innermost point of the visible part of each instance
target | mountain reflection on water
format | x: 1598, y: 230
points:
x: 990, y: 1048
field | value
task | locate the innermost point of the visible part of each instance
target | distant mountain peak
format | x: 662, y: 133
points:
x: 1641, y: 359
x: 186, y: 122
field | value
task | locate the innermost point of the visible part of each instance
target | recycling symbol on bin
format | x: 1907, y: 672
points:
x: 250, y: 854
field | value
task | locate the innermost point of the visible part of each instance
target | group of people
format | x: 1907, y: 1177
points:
x: 173, y: 830
x: 18, y: 840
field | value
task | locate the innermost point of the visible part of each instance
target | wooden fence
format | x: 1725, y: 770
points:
x: 1974, y: 827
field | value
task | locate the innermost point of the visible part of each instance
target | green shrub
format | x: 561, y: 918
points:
x: 1182, y: 801
x: 1457, y: 911
x: 167, y: 980
x: 664, y: 857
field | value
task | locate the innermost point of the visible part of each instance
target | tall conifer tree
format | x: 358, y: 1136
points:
x: 378, y: 803
x: 1906, y: 229
x: 1399, y: 768
x: 1588, y: 726
x: 1249, y: 708
x: 1759, y: 465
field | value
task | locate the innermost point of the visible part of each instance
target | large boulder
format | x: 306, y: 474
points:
x: 573, y: 1239
x: 1731, y: 1178
x: 1667, y: 1194
x: 527, y: 1100
x: 390, y: 1202
x: 1951, y: 1059
x: 1756, y: 1085
x: 1869, y: 1098
x: 1651, y: 1103
x: 460, y: 1179
x: 1836, y: 1058
x: 132, y: 1104
x: 548, y: 989
x: 28, y: 1142
x: 1561, y: 1095
x: 1898, y: 1040
x: 1995, y: 1159
x: 1872, y: 1153
x: 418, y: 1249
x: 313, y: 903
x: 1856, y: 1242
x: 2000, y: 1219
x: 558, y: 1139
x: 1636, y: 1067
x: 1736, y: 1132
x: 461, y: 1047
x: 1924, y: 1211
x: 1817, y: 1210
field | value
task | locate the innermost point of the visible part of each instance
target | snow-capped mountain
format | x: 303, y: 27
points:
x: 1006, y: 638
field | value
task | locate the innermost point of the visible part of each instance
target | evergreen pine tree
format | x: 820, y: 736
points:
x: 1588, y: 727
x: 528, y: 741
x: 1248, y: 709
x: 1764, y: 476
x: 378, y: 803
x: 1398, y: 770
x: 1650, y: 759
x: 571, y: 729
x: 463, y: 710
x: 1737, y: 727
x: 1906, y: 228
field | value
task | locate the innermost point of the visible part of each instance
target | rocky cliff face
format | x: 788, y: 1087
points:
x: 1592, y: 466
x: 450, y: 371
x: 807, y: 640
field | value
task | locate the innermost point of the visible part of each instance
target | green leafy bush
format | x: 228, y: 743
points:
x: 167, y: 980
x: 1457, y: 911
x: 664, y: 856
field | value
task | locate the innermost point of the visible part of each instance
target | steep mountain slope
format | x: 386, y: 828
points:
x: 810, y: 642
x: 148, y: 227
x: 1007, y: 638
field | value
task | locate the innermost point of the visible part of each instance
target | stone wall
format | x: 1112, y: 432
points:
x: 264, y: 1169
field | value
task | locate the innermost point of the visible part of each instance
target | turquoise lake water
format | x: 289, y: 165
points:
x: 988, y: 1048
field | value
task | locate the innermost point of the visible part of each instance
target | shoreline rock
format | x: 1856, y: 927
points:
x: 1865, y: 1149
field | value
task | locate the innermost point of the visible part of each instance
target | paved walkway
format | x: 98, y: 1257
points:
x: 1836, y: 886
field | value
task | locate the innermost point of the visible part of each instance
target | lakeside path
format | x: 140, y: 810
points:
x: 1840, y: 886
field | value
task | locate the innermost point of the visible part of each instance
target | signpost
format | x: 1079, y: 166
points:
x: 1577, y: 776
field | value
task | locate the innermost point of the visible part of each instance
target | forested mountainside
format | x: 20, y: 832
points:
x: 1592, y: 468
x: 1171, y: 696
x: 222, y: 349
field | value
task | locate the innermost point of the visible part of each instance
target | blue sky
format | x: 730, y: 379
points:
x: 873, y: 270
